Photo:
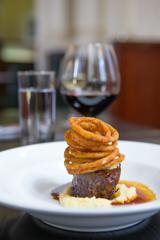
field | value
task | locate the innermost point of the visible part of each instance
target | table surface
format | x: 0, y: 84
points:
x: 19, y: 225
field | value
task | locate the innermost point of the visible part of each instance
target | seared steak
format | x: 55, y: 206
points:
x: 101, y: 184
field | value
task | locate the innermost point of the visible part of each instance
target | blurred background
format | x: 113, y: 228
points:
x: 34, y: 34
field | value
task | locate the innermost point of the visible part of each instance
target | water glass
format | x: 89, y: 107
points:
x: 37, y: 106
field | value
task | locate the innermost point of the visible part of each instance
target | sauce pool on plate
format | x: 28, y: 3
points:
x: 143, y: 194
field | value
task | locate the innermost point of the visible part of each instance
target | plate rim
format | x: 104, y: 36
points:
x: 62, y: 141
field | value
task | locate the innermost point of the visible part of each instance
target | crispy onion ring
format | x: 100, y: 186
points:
x: 93, y: 129
x: 92, y: 146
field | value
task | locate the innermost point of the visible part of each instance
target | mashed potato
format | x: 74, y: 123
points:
x: 124, y: 194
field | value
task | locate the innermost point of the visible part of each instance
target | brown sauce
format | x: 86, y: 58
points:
x: 144, y: 193
x: 55, y: 195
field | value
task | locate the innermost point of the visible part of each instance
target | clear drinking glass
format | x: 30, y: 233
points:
x: 37, y: 106
x: 90, y: 79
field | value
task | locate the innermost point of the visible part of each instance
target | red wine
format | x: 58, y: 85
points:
x: 89, y: 105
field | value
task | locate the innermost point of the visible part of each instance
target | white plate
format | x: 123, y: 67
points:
x: 29, y: 174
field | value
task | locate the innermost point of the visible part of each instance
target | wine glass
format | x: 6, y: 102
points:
x: 90, y: 79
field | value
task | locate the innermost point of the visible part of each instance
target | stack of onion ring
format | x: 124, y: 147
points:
x: 92, y: 146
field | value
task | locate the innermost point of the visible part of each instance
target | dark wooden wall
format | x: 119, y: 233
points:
x: 139, y: 101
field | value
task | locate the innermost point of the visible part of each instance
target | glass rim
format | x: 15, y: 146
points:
x: 35, y: 73
x: 96, y: 43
